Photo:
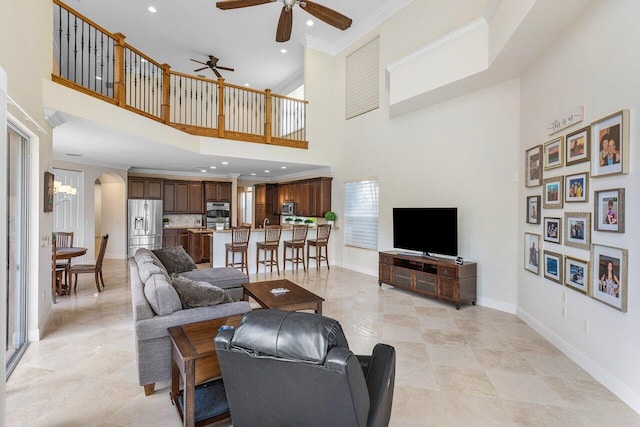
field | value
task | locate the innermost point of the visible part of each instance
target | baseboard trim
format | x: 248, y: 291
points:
x: 624, y: 393
x: 497, y: 305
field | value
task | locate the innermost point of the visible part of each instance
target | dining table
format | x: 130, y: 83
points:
x: 66, y: 254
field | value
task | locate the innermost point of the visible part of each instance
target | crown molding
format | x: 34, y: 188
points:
x: 359, y: 30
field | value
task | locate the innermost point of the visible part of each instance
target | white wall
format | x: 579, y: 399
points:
x: 440, y: 156
x: 114, y: 208
x: 595, y: 65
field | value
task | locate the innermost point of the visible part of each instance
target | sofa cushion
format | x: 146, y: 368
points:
x: 148, y: 269
x: 175, y: 260
x: 144, y: 256
x: 198, y: 294
x: 162, y: 297
x: 222, y: 277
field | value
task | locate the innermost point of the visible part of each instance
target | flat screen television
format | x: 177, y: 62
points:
x: 428, y: 230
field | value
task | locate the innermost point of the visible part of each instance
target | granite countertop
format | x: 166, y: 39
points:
x: 200, y: 230
x: 190, y: 227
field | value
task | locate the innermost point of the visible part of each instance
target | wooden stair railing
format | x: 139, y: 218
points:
x: 101, y: 64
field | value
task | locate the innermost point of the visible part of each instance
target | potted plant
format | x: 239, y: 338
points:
x: 310, y: 222
x: 298, y: 221
x: 220, y: 223
x: 288, y: 220
x: 330, y: 216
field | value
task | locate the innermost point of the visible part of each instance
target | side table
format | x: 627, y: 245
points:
x: 194, y: 359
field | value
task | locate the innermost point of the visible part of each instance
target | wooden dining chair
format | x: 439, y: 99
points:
x: 271, y: 244
x: 56, y: 274
x: 239, y: 244
x: 321, y: 241
x: 96, y: 268
x: 64, y: 239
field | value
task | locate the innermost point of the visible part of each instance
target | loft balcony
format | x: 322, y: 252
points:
x: 94, y: 61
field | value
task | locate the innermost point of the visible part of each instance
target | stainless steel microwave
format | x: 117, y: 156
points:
x: 288, y: 208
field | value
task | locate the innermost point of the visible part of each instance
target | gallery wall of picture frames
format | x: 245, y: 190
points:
x: 603, y: 147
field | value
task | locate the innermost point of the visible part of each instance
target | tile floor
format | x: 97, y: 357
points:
x: 476, y: 366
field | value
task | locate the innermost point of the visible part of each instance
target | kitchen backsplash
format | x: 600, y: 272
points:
x: 183, y: 220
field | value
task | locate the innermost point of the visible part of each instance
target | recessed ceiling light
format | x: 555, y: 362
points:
x: 203, y: 170
x: 283, y: 50
x: 253, y: 174
x: 225, y: 163
x: 283, y: 167
x: 152, y: 9
x: 247, y: 84
x: 310, y: 23
x: 212, y: 167
x: 267, y: 171
x: 98, y: 78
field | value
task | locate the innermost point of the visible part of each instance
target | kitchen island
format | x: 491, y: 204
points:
x: 222, y: 237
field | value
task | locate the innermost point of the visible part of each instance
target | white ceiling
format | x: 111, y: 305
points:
x: 243, y: 39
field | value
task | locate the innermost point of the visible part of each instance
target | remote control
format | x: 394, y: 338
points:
x: 279, y: 290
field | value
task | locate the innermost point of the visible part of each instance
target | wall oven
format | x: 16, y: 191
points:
x: 217, y: 212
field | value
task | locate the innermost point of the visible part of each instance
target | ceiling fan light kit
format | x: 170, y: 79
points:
x: 285, y: 23
x: 213, y: 64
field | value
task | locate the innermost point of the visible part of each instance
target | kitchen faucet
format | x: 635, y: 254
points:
x: 265, y: 222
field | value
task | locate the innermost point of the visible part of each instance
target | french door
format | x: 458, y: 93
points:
x: 17, y: 151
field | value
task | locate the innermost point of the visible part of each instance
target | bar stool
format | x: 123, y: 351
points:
x: 271, y: 243
x: 321, y: 241
x: 296, y: 244
x: 239, y: 244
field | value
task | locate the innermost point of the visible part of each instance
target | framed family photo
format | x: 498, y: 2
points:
x: 576, y: 274
x: 576, y: 187
x: 609, y: 277
x: 610, y: 142
x: 552, y: 230
x: 553, y: 194
x: 552, y: 266
x: 532, y: 253
x: 553, y: 153
x: 608, y: 210
x: 577, y: 229
x: 533, y: 209
x: 577, y: 146
x: 533, y: 166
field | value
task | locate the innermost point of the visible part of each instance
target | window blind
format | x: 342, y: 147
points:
x: 362, y: 91
x: 361, y: 214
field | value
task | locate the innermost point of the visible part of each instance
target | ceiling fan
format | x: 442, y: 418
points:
x: 285, y: 24
x: 213, y: 64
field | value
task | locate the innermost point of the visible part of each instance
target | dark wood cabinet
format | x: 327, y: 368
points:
x: 311, y: 196
x: 266, y: 204
x: 183, y: 197
x: 439, y: 278
x: 217, y: 191
x: 199, y: 246
x: 174, y: 237
x: 145, y: 188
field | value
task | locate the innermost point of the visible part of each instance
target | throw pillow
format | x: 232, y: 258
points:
x: 175, y: 260
x: 162, y: 297
x: 198, y: 294
x: 148, y: 269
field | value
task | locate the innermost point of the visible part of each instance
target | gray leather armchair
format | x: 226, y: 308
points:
x: 295, y: 369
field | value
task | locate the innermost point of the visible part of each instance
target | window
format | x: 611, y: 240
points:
x: 247, y: 205
x: 363, y: 79
x: 361, y: 214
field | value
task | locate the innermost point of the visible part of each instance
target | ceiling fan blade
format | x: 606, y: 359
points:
x: 235, y: 4
x: 224, y: 68
x: 285, y: 24
x: 327, y: 15
x: 199, y: 62
x: 200, y: 69
x: 216, y: 73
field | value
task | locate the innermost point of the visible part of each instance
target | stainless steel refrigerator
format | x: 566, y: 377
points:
x: 145, y: 225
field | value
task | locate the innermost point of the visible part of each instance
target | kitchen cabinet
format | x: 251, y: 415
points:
x: 266, y: 204
x: 199, y: 246
x: 145, y: 188
x: 183, y: 197
x: 312, y: 196
x: 217, y: 191
x: 174, y: 237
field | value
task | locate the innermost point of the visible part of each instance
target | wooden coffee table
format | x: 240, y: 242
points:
x: 296, y: 299
x: 194, y: 359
